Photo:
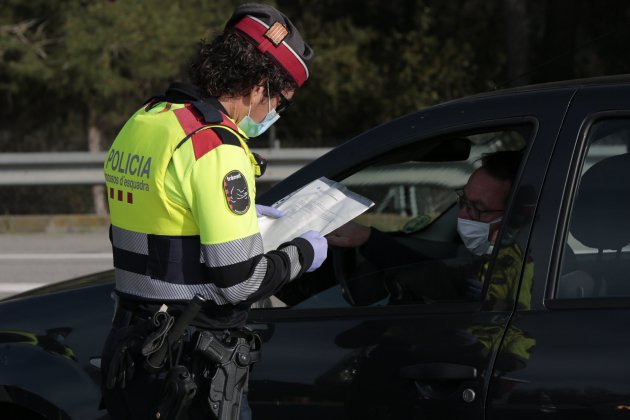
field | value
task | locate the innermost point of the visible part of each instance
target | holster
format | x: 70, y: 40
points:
x: 231, y: 356
x: 179, y: 391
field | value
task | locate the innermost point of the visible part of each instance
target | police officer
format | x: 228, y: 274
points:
x: 181, y: 188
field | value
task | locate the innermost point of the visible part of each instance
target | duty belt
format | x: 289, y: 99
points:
x: 218, y: 361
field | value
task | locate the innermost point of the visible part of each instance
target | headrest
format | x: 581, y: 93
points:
x: 601, y: 215
x: 272, y: 33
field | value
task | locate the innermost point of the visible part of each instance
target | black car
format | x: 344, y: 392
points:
x: 346, y: 342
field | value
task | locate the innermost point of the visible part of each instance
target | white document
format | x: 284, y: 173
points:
x: 322, y: 205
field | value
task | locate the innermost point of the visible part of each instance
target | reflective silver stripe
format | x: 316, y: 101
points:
x: 243, y: 290
x: 130, y: 241
x: 294, y: 257
x: 144, y: 286
x: 232, y: 252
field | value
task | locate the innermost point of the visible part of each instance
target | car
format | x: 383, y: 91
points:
x: 345, y: 342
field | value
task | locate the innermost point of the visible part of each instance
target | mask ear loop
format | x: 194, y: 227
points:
x: 249, y: 111
x: 497, y: 220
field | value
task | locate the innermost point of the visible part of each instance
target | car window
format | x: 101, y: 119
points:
x: 410, y: 194
x: 414, y: 245
x: 596, y: 256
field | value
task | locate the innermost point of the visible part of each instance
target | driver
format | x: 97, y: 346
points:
x: 482, y: 204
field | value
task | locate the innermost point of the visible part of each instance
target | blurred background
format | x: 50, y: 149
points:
x: 72, y: 72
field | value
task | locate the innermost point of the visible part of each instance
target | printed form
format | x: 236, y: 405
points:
x: 322, y: 205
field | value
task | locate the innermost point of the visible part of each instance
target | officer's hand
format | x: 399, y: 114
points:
x: 350, y: 235
x: 268, y: 211
x: 320, y: 248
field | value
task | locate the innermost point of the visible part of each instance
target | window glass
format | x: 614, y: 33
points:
x: 414, y: 253
x: 412, y: 194
x: 596, y: 257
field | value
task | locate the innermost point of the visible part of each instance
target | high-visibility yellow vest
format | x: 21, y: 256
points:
x: 160, y: 244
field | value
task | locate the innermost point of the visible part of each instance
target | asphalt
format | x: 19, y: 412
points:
x: 39, y: 250
x: 72, y: 223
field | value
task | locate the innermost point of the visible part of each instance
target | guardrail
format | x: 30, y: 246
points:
x: 85, y: 168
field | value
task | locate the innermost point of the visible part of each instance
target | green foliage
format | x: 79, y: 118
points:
x: 67, y: 65
x: 73, y: 67
x: 24, y: 44
x: 376, y: 61
x: 94, y: 59
x: 111, y: 48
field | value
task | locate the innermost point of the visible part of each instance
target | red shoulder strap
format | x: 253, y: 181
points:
x: 203, y: 140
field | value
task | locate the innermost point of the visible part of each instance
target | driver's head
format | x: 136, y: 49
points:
x: 484, y: 198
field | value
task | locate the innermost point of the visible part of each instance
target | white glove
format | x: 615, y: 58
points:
x: 268, y: 211
x: 320, y: 248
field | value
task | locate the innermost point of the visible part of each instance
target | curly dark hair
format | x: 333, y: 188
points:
x: 231, y: 66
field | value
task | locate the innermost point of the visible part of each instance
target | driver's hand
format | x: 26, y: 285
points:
x: 473, y: 288
x: 350, y: 235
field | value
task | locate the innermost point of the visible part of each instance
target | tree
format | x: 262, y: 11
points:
x: 95, y: 62
x: 72, y: 71
x: 377, y: 60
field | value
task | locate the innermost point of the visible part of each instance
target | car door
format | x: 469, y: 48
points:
x: 579, y: 365
x: 335, y: 352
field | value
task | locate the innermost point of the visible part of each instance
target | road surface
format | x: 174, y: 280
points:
x: 29, y: 260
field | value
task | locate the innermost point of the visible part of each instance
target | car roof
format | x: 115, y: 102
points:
x: 404, y: 126
x: 562, y: 84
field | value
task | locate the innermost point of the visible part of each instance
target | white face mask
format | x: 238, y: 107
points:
x: 254, y: 129
x: 475, y: 234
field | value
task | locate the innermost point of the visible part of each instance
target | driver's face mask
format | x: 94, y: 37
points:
x: 475, y: 234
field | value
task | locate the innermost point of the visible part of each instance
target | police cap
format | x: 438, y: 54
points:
x: 273, y: 34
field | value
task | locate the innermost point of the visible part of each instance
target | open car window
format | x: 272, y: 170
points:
x: 414, y: 186
x: 414, y: 191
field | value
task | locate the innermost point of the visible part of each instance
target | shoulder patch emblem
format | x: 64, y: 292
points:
x: 236, y: 192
